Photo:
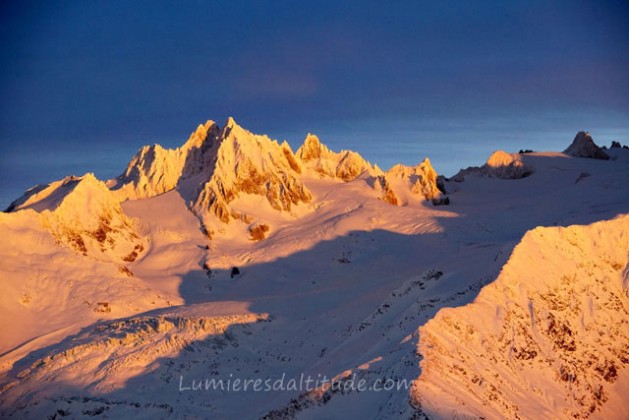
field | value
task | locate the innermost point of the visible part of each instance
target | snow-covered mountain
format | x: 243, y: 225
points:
x: 548, y: 338
x: 222, y: 173
x: 84, y: 215
x: 501, y: 165
x: 396, y: 185
x: 345, y: 165
x: 155, y: 170
x: 249, y: 164
x: 254, y: 262
x: 411, y: 182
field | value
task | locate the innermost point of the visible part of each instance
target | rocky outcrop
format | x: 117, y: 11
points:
x: 386, y: 193
x: 583, y: 146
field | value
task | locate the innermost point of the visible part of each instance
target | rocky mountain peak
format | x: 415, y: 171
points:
x: 312, y: 149
x: 583, y: 146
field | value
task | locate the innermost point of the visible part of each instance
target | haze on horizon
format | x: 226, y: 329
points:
x: 85, y: 84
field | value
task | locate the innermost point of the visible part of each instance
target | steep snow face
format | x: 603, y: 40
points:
x: 548, y: 338
x: 583, y: 146
x: 345, y: 165
x: 82, y: 214
x: 501, y: 165
x: 152, y: 171
x: 409, y: 182
x: 155, y: 170
x: 199, y: 152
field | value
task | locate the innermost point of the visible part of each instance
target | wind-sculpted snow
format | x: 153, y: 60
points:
x: 103, y: 357
x: 548, y: 338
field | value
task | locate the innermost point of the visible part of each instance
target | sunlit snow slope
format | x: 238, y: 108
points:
x: 548, y: 338
x: 233, y: 257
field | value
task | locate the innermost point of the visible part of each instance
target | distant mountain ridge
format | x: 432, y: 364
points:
x: 218, y: 167
x: 233, y: 161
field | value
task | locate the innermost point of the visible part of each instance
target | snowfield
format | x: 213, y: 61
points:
x: 234, y: 258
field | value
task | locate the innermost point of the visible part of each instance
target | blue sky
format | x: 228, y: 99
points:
x: 84, y: 84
